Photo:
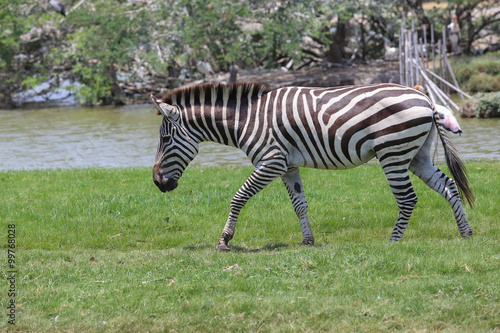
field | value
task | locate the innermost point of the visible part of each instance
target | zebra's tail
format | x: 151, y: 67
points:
x: 455, y: 164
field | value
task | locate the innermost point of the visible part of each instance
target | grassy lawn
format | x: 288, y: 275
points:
x: 103, y: 250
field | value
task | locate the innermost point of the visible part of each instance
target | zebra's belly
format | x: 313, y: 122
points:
x: 330, y: 161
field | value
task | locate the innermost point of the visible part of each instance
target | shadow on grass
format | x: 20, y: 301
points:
x: 199, y: 247
x: 274, y: 247
x: 267, y: 247
x: 240, y: 248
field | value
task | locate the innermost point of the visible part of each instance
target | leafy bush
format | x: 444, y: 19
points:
x: 478, y: 74
x: 482, y: 106
x: 490, y: 104
x: 99, y: 40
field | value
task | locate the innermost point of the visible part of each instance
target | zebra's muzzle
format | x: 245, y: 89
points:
x: 164, y: 183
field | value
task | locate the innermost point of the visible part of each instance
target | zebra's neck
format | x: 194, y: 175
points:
x: 219, y: 113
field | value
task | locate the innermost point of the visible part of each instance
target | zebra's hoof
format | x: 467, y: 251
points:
x: 308, y: 242
x: 467, y: 234
x: 222, y: 247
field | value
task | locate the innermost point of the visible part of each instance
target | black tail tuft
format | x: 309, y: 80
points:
x: 455, y: 164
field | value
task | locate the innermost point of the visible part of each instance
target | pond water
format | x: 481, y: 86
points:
x: 80, y: 137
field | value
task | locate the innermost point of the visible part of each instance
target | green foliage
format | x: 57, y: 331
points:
x: 32, y: 81
x: 96, y: 251
x: 211, y: 31
x: 483, y: 82
x: 100, y: 39
x: 246, y: 33
x: 478, y: 74
x: 482, y: 105
x: 106, y: 41
x: 11, y: 27
x: 282, y: 32
x: 490, y: 103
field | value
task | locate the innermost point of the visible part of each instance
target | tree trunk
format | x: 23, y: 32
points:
x: 336, y: 52
x: 116, y: 91
x: 470, y: 34
x: 362, y: 38
x: 233, y: 73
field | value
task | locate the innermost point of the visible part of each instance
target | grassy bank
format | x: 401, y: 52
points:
x: 477, y: 74
x: 481, y: 106
x: 104, y: 250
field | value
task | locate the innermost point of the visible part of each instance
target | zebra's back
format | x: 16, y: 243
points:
x: 343, y: 127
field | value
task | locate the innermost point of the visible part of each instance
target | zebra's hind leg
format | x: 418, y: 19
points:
x: 293, y: 184
x: 401, y: 188
x: 423, y: 168
x: 263, y: 175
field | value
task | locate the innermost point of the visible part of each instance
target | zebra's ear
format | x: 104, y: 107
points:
x: 167, y: 110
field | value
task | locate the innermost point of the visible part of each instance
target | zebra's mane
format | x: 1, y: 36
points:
x: 253, y: 88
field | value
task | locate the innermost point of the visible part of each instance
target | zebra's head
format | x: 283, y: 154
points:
x: 175, y: 149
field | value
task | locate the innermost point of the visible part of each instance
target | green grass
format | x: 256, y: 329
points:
x: 103, y: 250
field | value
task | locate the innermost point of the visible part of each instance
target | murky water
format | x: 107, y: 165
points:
x: 480, y: 139
x: 87, y: 137
x: 127, y: 136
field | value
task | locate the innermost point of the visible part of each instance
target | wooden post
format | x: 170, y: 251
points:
x: 440, y: 47
x: 431, y: 93
x: 433, y: 49
x: 443, y: 55
x: 431, y: 86
x: 408, y: 40
x: 452, y: 75
x: 458, y: 90
x: 439, y: 93
x: 407, y: 69
x: 415, y: 51
x: 401, y: 50
x: 426, y: 65
x: 417, y: 57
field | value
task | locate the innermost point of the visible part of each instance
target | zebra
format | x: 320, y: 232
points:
x: 284, y: 129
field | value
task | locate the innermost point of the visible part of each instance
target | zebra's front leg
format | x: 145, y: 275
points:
x: 262, y: 176
x: 293, y: 184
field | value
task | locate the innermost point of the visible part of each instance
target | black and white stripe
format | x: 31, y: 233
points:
x: 284, y: 129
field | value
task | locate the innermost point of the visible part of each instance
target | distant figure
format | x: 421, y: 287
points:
x: 204, y: 67
x: 391, y: 53
x: 58, y: 7
x: 454, y: 35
